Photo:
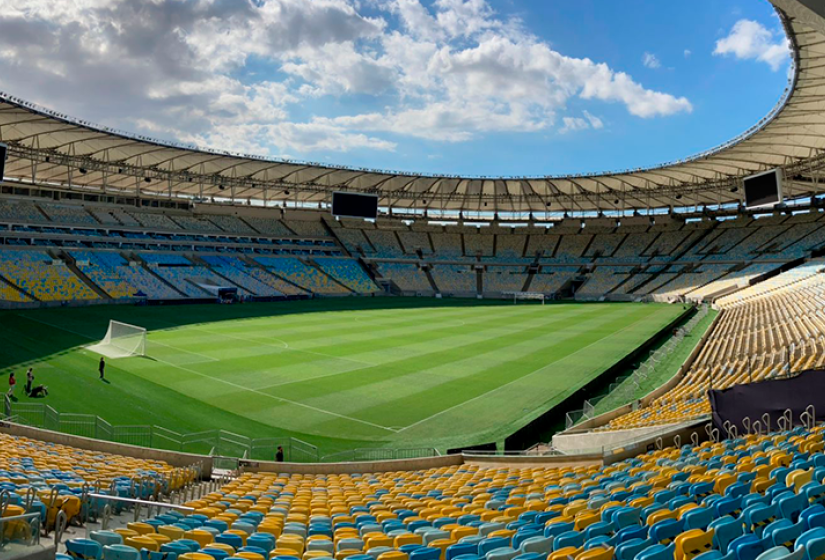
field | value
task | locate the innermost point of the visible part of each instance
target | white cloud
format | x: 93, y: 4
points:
x: 650, y: 60
x: 750, y: 40
x: 573, y: 124
x: 246, y: 74
x: 687, y: 53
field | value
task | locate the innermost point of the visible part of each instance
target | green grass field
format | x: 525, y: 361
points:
x: 339, y: 373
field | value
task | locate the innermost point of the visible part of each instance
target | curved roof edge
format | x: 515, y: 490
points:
x: 50, y: 147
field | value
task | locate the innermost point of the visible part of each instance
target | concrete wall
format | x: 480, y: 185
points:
x: 174, y: 458
x: 668, y: 440
x: 422, y: 463
x: 606, y: 417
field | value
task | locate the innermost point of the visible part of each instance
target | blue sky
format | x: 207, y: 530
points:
x: 496, y: 87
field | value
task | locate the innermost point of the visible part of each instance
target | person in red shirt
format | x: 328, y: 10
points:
x: 12, y: 383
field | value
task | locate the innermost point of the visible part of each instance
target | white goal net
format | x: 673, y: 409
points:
x: 121, y: 341
x: 525, y: 296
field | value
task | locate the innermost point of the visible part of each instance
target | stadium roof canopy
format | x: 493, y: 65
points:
x: 49, y: 148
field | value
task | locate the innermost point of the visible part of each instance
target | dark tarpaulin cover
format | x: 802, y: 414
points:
x: 774, y: 397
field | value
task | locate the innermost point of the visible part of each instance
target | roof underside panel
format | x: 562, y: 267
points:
x: 51, y: 148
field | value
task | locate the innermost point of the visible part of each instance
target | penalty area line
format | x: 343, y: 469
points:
x: 231, y: 384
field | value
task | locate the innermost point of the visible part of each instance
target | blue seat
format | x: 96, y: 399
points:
x: 598, y: 528
x: 781, y: 553
x: 568, y: 538
x: 504, y: 553
x: 657, y: 552
x: 84, y: 549
x: 809, y: 535
x: 815, y: 549
x: 697, y: 518
x: 746, y: 547
x: 791, y: 506
x: 262, y: 540
x: 632, y: 532
x: 425, y: 553
x: 120, y: 552
x: 215, y: 553
x: 538, y: 544
x: 106, y: 537
x: 492, y: 543
x: 555, y: 529
x: 786, y: 535
x: 460, y: 548
x: 757, y: 517
x: 629, y: 549
x: 664, y: 531
x: 235, y: 541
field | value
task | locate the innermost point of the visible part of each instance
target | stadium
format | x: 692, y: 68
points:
x: 220, y: 356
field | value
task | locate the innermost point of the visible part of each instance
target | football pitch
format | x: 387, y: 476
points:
x: 338, y: 373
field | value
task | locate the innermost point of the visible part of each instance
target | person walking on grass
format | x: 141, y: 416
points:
x: 12, y: 383
x: 101, y: 367
x: 29, y: 381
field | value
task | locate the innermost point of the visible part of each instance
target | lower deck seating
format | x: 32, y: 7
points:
x: 189, y: 279
x: 765, y: 335
x: 238, y: 272
x: 453, y: 278
x: 408, y: 277
x: 307, y: 277
x: 34, y: 272
x: 103, y: 268
x: 753, y: 498
x: 349, y: 273
x: 498, y: 279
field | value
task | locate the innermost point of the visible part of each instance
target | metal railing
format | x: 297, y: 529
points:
x: 624, y: 388
x: 225, y: 446
x: 379, y: 454
x: 20, y: 529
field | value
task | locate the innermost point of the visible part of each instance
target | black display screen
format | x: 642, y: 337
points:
x: 355, y: 205
x: 763, y: 190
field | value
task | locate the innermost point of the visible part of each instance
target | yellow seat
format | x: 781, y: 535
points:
x: 195, y: 556
x: 249, y: 555
x: 378, y: 540
x: 393, y: 555
x: 597, y: 553
x: 126, y: 533
x: 442, y: 545
x: 141, y: 528
x: 200, y: 536
x: 228, y: 548
x: 143, y: 541
x: 411, y: 538
x: 157, y: 537
x: 564, y: 553
x: 171, y: 531
x: 692, y: 543
x: 341, y: 554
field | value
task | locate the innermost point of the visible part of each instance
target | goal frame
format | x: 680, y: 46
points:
x: 116, y: 346
x: 526, y: 296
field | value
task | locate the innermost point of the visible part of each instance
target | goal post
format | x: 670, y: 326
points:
x: 525, y: 296
x: 121, y: 341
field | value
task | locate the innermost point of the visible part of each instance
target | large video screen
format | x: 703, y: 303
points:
x: 764, y: 189
x: 355, y: 205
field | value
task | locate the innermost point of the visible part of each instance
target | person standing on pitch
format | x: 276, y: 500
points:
x: 101, y: 367
x: 29, y: 381
x: 279, y: 455
x: 13, y: 382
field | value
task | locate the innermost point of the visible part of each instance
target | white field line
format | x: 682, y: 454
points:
x: 545, y: 366
x: 208, y: 358
x: 235, y: 385
x: 285, y: 346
